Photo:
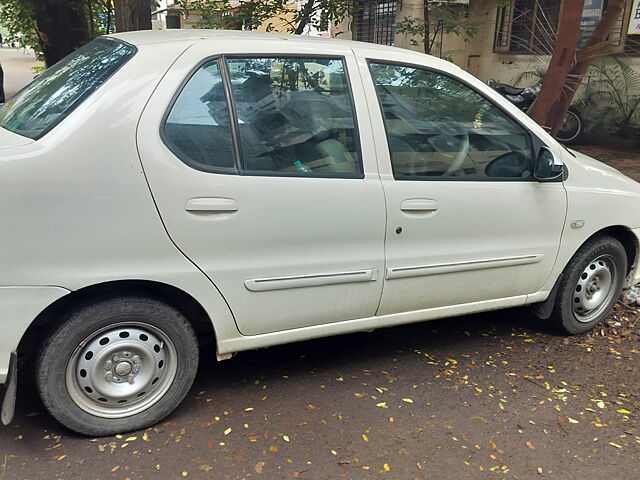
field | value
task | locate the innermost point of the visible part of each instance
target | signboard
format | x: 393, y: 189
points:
x: 634, y: 21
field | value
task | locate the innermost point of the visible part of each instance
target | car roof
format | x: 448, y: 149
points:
x: 144, y: 37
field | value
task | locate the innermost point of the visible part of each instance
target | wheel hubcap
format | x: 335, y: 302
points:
x: 595, y: 289
x: 121, y: 370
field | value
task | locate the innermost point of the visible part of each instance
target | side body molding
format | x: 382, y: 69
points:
x: 424, y: 270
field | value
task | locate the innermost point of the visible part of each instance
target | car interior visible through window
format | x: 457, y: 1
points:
x: 439, y: 128
x: 295, y: 116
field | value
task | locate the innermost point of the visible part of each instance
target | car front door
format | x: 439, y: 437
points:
x: 266, y: 182
x: 467, y: 221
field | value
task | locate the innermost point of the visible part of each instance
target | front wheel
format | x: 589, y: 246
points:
x: 590, y: 285
x: 117, y: 365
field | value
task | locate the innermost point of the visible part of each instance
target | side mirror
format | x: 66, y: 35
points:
x: 546, y: 168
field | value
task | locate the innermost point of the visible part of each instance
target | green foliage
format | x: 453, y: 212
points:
x: 18, y: 17
x: 609, y: 98
x: 212, y: 12
x: 444, y: 17
x: 319, y: 14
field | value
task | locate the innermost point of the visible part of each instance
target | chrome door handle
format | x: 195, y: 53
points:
x: 211, y: 205
x: 419, y: 205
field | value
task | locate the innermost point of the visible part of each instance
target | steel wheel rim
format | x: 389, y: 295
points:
x: 121, y: 370
x: 571, y: 130
x: 595, y: 288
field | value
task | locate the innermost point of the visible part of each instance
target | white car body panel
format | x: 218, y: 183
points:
x: 79, y: 209
x: 20, y: 305
x: 289, y: 232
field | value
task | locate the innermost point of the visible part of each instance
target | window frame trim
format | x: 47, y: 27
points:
x: 536, y: 142
x: 239, y: 168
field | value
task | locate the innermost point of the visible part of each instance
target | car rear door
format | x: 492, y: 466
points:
x: 267, y: 182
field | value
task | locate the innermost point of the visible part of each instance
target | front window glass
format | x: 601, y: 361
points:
x: 43, y: 103
x: 439, y: 127
x: 295, y: 116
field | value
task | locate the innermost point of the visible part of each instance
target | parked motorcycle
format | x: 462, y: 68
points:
x: 523, y: 98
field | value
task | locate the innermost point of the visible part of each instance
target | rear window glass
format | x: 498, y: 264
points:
x: 47, y: 100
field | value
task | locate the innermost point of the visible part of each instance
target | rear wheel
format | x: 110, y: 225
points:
x: 117, y: 365
x: 571, y: 127
x: 590, y: 285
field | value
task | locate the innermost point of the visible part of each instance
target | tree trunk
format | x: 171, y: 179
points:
x: 305, y: 17
x: 132, y: 15
x: 427, y: 27
x: 595, y: 45
x: 62, y: 27
x: 2, y: 99
x: 552, y: 105
x: 545, y: 109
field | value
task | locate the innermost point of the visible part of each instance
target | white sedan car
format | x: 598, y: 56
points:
x: 161, y: 189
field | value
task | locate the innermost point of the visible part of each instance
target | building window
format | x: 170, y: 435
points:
x: 527, y: 26
x: 632, y: 45
x: 173, y: 21
x: 373, y: 22
x: 530, y: 26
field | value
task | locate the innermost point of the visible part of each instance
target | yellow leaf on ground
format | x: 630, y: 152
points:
x: 408, y: 400
x: 227, y: 431
x: 386, y: 467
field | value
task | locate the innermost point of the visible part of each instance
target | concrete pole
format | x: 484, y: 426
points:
x: 413, y: 9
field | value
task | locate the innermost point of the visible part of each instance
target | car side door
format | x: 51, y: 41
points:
x: 467, y: 223
x: 266, y: 180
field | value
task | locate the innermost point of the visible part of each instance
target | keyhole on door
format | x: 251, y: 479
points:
x: 398, y: 230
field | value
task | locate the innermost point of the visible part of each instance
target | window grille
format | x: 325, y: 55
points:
x: 530, y: 26
x: 527, y: 26
x: 373, y: 22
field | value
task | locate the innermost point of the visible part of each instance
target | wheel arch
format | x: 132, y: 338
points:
x: 628, y: 240
x: 182, y: 301
x: 621, y: 233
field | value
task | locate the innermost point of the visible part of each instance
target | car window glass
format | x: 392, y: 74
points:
x: 52, y: 96
x: 438, y: 127
x: 295, y: 116
x: 197, y: 128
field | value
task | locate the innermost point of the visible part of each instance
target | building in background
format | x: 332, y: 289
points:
x: 511, y: 39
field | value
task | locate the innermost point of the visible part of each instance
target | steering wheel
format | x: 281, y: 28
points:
x: 461, y: 154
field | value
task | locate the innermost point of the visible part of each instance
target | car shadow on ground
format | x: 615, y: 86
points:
x: 325, y: 357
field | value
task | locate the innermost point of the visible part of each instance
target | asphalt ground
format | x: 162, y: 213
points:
x: 497, y: 395
x: 17, y: 67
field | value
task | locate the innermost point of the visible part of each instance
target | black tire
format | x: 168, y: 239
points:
x: 59, y: 385
x: 570, y: 313
x: 572, y: 135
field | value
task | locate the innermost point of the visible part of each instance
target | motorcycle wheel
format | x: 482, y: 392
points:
x: 571, y: 127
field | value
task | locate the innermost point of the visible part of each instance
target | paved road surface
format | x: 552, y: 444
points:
x: 487, y: 396
x: 17, y: 69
